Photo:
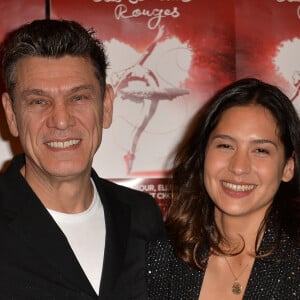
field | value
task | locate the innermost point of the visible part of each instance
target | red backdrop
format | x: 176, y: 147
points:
x: 183, y: 51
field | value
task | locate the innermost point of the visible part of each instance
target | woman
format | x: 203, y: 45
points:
x: 233, y: 220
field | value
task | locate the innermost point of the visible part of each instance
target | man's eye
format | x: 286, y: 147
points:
x: 79, y: 98
x: 38, y: 102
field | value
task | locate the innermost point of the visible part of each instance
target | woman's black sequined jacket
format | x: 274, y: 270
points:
x: 276, y: 276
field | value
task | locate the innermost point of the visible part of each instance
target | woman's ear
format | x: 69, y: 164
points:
x: 288, y: 171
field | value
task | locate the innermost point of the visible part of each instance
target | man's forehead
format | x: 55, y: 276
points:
x: 67, y: 73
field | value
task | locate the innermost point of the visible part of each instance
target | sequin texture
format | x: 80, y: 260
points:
x: 275, y: 277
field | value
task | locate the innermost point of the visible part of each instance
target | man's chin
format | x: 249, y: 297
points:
x: 66, y: 170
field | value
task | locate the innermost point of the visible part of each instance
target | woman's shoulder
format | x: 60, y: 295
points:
x: 158, y: 247
x: 159, y: 254
x: 169, y: 277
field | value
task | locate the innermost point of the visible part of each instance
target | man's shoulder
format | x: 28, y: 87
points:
x: 122, y: 192
x: 144, y: 212
x: 139, y: 202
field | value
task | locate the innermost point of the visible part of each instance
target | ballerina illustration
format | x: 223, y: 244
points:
x: 141, y: 84
x: 288, y: 65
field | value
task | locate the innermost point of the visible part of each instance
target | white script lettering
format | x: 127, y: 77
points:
x: 155, y: 15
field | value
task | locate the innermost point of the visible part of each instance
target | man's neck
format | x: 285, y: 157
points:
x: 67, y: 195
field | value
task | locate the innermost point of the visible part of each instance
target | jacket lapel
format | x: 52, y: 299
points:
x: 117, y: 220
x: 35, y: 226
x: 266, y: 271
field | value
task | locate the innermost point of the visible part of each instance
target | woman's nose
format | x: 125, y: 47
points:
x: 240, y: 162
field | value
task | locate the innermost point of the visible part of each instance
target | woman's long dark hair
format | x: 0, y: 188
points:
x: 190, y: 215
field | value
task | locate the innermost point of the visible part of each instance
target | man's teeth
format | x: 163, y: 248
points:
x: 239, y: 187
x: 63, y: 145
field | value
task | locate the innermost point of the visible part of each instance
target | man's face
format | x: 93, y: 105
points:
x: 58, y: 114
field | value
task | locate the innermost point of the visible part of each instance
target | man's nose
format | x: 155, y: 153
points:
x: 60, y: 117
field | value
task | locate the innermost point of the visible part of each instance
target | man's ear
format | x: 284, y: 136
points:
x: 108, y: 106
x: 10, y: 114
x: 288, y: 171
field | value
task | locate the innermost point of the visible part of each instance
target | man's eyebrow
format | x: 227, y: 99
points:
x: 40, y: 92
x: 29, y: 92
x: 81, y: 88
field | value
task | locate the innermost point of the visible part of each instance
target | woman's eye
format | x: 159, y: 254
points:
x: 262, y: 151
x: 224, y: 146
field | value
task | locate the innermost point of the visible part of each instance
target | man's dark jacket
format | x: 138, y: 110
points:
x: 36, y: 261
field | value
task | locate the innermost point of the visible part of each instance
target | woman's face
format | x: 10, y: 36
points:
x: 244, y: 162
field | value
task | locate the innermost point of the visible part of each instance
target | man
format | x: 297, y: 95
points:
x: 65, y: 233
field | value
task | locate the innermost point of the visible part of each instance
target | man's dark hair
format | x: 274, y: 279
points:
x: 51, y: 39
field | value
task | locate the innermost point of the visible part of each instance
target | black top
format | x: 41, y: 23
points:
x: 274, y: 277
x: 37, y: 262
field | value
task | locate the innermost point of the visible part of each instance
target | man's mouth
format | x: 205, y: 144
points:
x: 63, y: 144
